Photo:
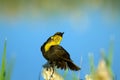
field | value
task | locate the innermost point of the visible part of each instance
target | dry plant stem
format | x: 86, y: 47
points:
x: 52, y: 73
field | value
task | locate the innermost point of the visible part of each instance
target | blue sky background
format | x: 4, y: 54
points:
x: 86, y: 33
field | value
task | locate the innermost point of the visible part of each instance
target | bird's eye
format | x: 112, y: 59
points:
x: 52, y: 37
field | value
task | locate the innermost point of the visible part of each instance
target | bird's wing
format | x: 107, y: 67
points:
x: 61, y: 53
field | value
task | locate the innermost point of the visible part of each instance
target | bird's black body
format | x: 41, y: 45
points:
x: 58, y: 56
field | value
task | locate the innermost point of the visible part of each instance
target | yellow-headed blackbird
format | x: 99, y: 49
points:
x: 56, y: 54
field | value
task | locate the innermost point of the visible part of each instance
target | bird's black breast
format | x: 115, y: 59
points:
x: 57, y: 52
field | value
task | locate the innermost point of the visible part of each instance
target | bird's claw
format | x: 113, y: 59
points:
x: 47, y: 66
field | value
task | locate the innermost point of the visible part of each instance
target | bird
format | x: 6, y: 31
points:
x: 56, y: 55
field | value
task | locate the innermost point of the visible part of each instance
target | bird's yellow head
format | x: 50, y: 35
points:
x: 53, y: 40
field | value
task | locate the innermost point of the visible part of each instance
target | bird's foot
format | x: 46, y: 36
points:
x: 48, y: 66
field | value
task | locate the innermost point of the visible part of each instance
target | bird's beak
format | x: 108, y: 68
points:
x: 62, y: 33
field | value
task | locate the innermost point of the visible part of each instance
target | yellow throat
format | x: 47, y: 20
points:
x: 54, y: 40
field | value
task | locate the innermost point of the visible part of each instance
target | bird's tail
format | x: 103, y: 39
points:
x: 72, y: 66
